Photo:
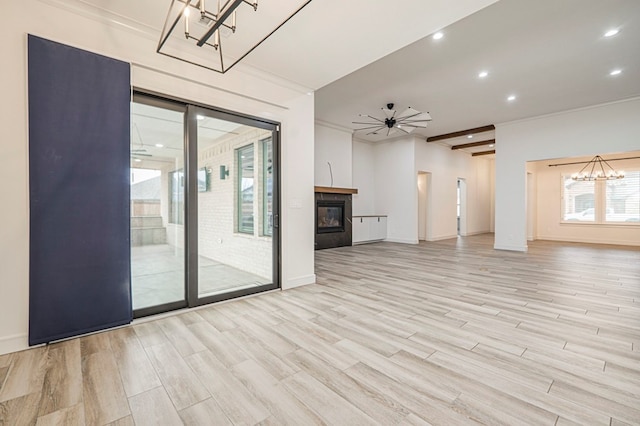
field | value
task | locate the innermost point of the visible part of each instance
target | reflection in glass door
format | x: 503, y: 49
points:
x: 157, y: 206
x: 235, y: 170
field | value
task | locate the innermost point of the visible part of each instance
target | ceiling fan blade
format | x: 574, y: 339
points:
x: 375, y: 132
x: 420, y: 116
x: 373, y: 118
x: 370, y: 127
x: 365, y: 122
x: 390, y: 113
x: 415, y: 125
x: 407, y: 112
x: 407, y: 131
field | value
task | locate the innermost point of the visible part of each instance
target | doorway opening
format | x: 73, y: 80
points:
x: 424, y: 195
x: 461, y: 207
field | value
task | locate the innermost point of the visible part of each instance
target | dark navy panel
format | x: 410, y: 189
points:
x: 79, y: 261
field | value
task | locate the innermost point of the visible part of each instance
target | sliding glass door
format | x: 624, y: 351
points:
x: 157, y: 205
x: 234, y: 205
x: 204, y: 180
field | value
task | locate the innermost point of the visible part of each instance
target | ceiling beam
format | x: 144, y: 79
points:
x: 462, y: 133
x: 472, y: 144
x: 475, y: 154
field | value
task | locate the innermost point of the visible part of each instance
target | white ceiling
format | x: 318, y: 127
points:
x: 359, y: 55
x: 551, y: 54
x: 326, y: 40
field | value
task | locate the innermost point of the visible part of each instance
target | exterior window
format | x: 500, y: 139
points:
x: 176, y: 197
x: 602, y: 201
x: 579, y: 200
x: 623, y: 198
x: 244, y: 159
x: 267, y: 186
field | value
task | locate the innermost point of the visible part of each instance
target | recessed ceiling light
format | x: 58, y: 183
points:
x: 469, y: 136
x: 511, y: 98
x: 438, y: 35
x: 615, y: 72
x: 491, y: 146
x: 200, y: 117
x: 483, y: 74
x: 611, y: 32
x: 159, y: 145
x: 137, y: 160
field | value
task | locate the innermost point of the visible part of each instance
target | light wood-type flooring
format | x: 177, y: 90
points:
x: 446, y: 333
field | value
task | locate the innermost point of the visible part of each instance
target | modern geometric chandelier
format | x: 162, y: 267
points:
x: 597, y: 169
x: 195, y: 31
x: 406, y: 122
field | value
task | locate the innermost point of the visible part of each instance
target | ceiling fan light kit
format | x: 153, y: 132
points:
x: 407, y: 121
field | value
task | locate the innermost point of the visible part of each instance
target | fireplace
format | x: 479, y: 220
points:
x: 333, y: 220
x: 330, y: 216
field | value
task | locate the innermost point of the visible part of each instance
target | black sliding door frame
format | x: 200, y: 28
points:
x: 158, y: 102
x: 192, y: 110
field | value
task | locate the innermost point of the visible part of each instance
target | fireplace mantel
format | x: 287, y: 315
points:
x: 332, y: 190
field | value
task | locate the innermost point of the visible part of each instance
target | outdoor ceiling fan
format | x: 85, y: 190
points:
x: 407, y: 121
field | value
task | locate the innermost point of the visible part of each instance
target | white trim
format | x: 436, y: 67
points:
x: 589, y: 241
x: 299, y: 281
x: 13, y: 343
x: 468, y: 234
x: 401, y: 241
x: 333, y: 126
x: 105, y: 16
x: 510, y: 248
x: 444, y: 237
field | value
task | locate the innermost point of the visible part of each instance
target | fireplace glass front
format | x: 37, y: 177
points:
x: 330, y: 217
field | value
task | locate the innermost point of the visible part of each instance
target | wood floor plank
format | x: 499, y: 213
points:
x: 332, y: 408
x: 150, y: 334
x: 225, y: 350
x: 152, y: 408
x: 71, y: 416
x: 182, y: 385
x: 22, y: 410
x: 62, y: 384
x: 136, y: 371
x: 26, y: 374
x: 283, y: 406
x: 371, y: 402
x: 103, y: 394
x: 180, y: 336
x: 204, y: 413
x: 233, y: 397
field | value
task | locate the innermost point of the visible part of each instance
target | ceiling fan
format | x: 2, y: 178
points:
x: 407, y: 121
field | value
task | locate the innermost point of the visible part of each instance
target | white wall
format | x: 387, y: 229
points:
x: 332, y: 145
x: 549, y: 201
x: 364, y: 178
x: 611, y: 127
x: 242, y: 89
x: 386, y: 175
x: 446, y: 166
x: 396, y: 189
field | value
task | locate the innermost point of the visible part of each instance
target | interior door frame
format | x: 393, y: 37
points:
x: 191, y: 110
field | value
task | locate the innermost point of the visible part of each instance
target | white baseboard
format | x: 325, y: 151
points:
x: 401, y: 241
x: 444, y: 237
x: 13, y: 343
x: 589, y: 241
x: 468, y: 234
x: 299, y: 281
x: 510, y: 248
